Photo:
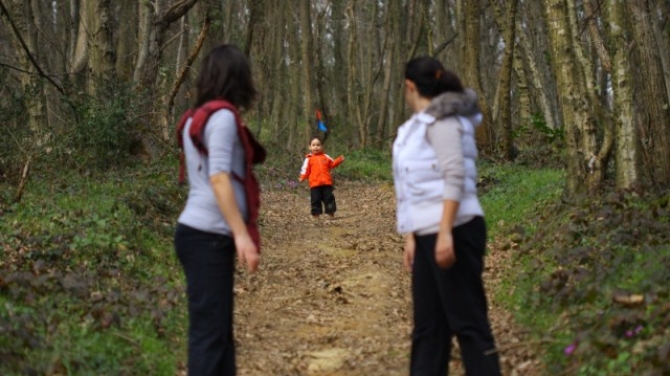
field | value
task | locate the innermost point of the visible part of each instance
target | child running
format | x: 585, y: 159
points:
x: 316, y: 169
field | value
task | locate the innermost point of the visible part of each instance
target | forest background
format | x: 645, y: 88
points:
x: 579, y: 89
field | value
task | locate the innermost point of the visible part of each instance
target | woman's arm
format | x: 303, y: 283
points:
x: 221, y: 138
x: 247, y: 252
x: 408, y: 252
x: 445, y: 255
x: 445, y: 137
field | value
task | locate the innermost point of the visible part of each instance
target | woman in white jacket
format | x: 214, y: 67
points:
x: 439, y: 214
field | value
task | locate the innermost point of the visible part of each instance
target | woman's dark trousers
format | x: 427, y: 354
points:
x: 208, y: 262
x: 452, y: 302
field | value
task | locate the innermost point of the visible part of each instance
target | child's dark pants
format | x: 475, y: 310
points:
x: 323, y: 194
x: 452, y: 302
x: 208, y: 262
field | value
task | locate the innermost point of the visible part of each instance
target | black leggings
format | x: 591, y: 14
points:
x: 323, y: 194
x: 452, y: 302
x: 208, y: 262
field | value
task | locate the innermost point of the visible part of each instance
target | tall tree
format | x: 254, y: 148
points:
x: 470, y: 30
x: 502, y: 109
x: 627, y: 146
x: 585, y: 157
x: 652, y: 104
x: 98, y: 22
x: 306, y: 48
x: 21, y: 17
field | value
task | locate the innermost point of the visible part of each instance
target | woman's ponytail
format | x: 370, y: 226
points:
x: 430, y: 77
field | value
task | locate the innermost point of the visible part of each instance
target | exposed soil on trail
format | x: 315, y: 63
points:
x: 331, y: 296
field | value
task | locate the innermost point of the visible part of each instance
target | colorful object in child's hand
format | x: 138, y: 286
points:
x: 320, y: 125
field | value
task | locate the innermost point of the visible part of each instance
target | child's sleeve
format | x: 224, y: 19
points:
x: 305, y: 170
x: 337, y: 161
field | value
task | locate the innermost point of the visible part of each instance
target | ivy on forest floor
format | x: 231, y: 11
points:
x: 86, y: 285
x: 594, y: 280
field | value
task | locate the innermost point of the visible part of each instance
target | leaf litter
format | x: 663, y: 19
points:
x: 332, y: 298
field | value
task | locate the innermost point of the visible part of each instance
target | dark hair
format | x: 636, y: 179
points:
x: 430, y: 77
x: 317, y: 137
x: 225, y: 74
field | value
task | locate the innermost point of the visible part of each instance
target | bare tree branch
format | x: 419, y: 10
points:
x: 15, y: 68
x: 191, y: 58
x: 27, y: 50
x: 175, y: 12
x: 445, y: 44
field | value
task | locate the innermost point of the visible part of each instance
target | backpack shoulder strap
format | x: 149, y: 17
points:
x: 199, y: 117
x: 180, y: 126
x: 180, y: 142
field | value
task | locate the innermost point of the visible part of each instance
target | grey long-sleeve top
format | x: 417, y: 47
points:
x: 225, y: 154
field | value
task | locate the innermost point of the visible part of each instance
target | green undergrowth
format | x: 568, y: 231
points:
x: 509, y: 193
x: 89, y: 283
x: 590, y: 282
x: 369, y: 165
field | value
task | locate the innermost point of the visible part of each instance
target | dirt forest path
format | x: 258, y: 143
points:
x: 331, y: 297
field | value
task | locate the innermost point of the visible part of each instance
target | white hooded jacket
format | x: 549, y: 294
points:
x: 422, y: 179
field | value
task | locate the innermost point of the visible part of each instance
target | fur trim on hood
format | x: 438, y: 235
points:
x: 454, y: 103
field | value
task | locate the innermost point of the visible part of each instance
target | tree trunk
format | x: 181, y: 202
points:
x: 295, y: 99
x: 398, y: 114
x: 388, y: 66
x: 663, y: 39
x: 503, y: 115
x: 126, y: 45
x: 278, y: 71
x: 78, y: 57
x: 471, y: 42
x: 321, y: 75
x: 102, y: 59
x: 541, y: 77
x: 627, y: 160
x: 154, y: 22
x: 306, y: 58
x: 652, y: 96
x: 352, y: 95
x: 23, y: 18
x: 600, y: 151
x: 574, y: 101
x: 214, y: 11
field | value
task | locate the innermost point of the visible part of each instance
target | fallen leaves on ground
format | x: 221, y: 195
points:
x: 332, y: 297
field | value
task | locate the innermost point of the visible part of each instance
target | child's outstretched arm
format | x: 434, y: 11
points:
x: 305, y: 170
x: 337, y: 161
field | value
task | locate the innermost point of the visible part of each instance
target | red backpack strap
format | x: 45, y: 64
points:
x: 199, y: 117
x: 180, y: 142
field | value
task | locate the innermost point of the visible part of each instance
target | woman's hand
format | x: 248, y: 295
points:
x: 247, y: 253
x: 444, y: 250
x: 408, y: 252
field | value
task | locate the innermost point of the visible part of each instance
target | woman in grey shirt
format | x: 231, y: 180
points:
x: 212, y: 228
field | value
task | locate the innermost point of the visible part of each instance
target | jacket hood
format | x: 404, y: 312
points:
x: 454, y: 103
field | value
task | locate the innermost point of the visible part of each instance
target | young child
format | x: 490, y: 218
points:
x: 316, y: 169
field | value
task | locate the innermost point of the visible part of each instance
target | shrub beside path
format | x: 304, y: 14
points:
x: 332, y: 298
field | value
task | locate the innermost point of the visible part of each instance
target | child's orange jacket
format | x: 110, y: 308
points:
x: 317, y: 168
